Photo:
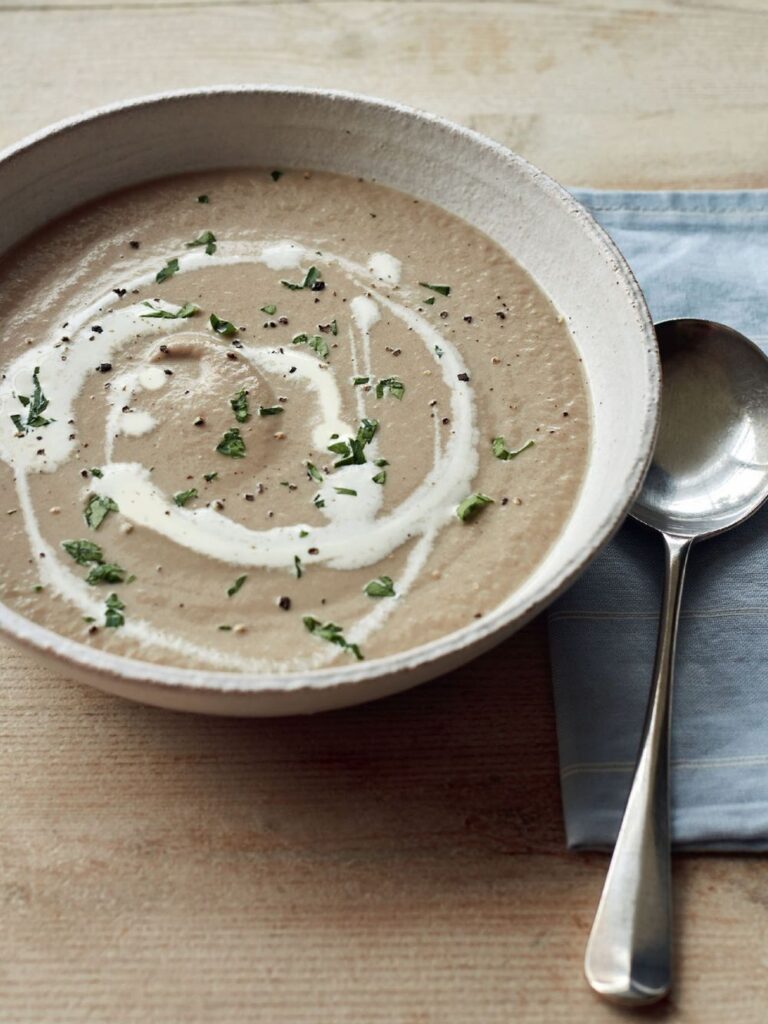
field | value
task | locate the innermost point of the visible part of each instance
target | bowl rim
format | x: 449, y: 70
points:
x: 482, y: 633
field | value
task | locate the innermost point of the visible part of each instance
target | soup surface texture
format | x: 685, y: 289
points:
x: 264, y: 421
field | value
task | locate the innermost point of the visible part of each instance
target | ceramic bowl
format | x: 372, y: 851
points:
x: 523, y: 210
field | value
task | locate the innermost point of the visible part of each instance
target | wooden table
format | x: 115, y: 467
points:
x: 401, y: 862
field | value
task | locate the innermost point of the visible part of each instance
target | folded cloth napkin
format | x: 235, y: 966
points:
x: 699, y: 254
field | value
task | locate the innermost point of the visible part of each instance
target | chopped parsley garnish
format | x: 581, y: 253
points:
x: 314, y: 473
x: 188, y: 309
x: 471, y: 505
x: 232, y: 444
x: 270, y: 410
x: 352, y: 451
x: 360, y: 380
x: 318, y: 502
x: 311, y: 278
x: 224, y: 629
x: 203, y: 199
x: 269, y: 309
x: 315, y: 342
x: 239, y: 403
x: 224, y: 327
x: 170, y: 268
x: 332, y: 633
x: 35, y: 406
x: 345, y: 490
x: 334, y: 328
x: 184, y: 496
x: 430, y: 301
x: 275, y: 175
x: 106, y: 572
x: 441, y: 289
x: 208, y: 239
x: 380, y: 587
x: 395, y: 387
x: 380, y: 478
x: 380, y: 462
x: 297, y: 567
x: 83, y: 551
x: 236, y: 586
x: 113, y: 616
x: 97, y: 510
x: 95, y: 471
x: 500, y: 450
x: 438, y: 352
x: 209, y: 476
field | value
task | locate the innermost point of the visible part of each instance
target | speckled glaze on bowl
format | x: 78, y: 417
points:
x: 523, y: 210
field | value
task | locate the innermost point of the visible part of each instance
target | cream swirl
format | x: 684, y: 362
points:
x: 356, y: 534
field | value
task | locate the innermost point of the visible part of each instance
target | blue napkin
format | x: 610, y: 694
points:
x: 700, y: 254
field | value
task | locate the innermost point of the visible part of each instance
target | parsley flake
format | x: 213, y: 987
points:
x: 345, y: 490
x: 113, y: 616
x: 209, y: 476
x: 352, y: 451
x: 500, y: 450
x: 225, y: 327
x: 236, y: 586
x: 239, y: 403
x: 106, y: 572
x: 313, y: 472
x: 269, y: 309
x: 95, y: 471
x: 393, y: 385
x: 332, y: 633
x: 97, y: 510
x: 270, y: 410
x: 380, y: 478
x: 316, y: 343
x: 441, y: 289
x: 360, y: 380
x: 187, y: 310
x: 170, y: 268
x: 297, y: 567
x: 83, y: 551
x: 313, y: 279
x: 232, y: 444
x: 184, y: 496
x: 208, y: 239
x: 35, y: 406
x: 275, y: 175
x: 203, y: 199
x: 380, y: 587
x: 470, y: 506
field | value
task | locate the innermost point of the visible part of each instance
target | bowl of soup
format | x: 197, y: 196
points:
x: 306, y: 397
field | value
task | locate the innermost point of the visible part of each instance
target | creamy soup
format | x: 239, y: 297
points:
x: 257, y: 420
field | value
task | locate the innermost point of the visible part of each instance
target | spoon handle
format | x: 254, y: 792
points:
x: 629, y: 953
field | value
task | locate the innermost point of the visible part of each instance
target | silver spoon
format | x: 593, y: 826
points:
x: 709, y: 473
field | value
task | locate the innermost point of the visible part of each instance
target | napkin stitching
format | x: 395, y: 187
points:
x: 701, y: 613
x: 736, y: 211
x: 596, y: 768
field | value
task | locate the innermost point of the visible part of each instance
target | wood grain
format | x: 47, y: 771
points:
x: 652, y: 94
x: 401, y: 862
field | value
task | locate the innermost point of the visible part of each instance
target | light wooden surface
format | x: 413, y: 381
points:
x: 402, y: 862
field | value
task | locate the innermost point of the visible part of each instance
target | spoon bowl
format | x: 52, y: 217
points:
x: 710, y: 467
x: 709, y: 473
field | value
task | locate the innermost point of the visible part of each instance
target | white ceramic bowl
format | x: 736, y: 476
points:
x: 527, y: 213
